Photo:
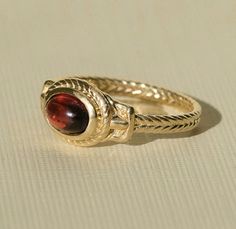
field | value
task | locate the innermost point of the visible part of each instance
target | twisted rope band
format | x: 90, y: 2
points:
x: 154, y: 123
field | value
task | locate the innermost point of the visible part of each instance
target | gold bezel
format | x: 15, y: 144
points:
x: 94, y: 100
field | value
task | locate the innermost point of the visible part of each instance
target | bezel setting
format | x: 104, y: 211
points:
x: 96, y: 103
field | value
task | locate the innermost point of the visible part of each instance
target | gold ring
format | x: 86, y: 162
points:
x: 81, y: 110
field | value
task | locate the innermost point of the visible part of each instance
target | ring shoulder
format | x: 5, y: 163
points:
x: 122, y: 122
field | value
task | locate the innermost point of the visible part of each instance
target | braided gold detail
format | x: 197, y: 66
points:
x: 154, y: 123
x: 110, y: 119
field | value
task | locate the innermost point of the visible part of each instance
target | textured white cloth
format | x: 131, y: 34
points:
x: 165, y: 182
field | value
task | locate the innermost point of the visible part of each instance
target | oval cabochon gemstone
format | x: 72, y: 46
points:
x: 67, y: 114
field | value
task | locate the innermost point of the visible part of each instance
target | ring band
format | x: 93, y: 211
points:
x: 82, y: 110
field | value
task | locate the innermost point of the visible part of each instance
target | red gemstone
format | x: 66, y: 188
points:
x: 67, y: 114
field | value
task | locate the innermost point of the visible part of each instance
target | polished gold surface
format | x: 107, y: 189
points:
x: 169, y: 181
x: 116, y: 121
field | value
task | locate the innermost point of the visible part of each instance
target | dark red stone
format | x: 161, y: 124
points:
x: 67, y: 114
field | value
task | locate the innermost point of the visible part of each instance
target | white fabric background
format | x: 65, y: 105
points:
x: 182, y: 182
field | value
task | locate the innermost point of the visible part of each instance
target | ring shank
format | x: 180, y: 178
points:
x: 154, y: 123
